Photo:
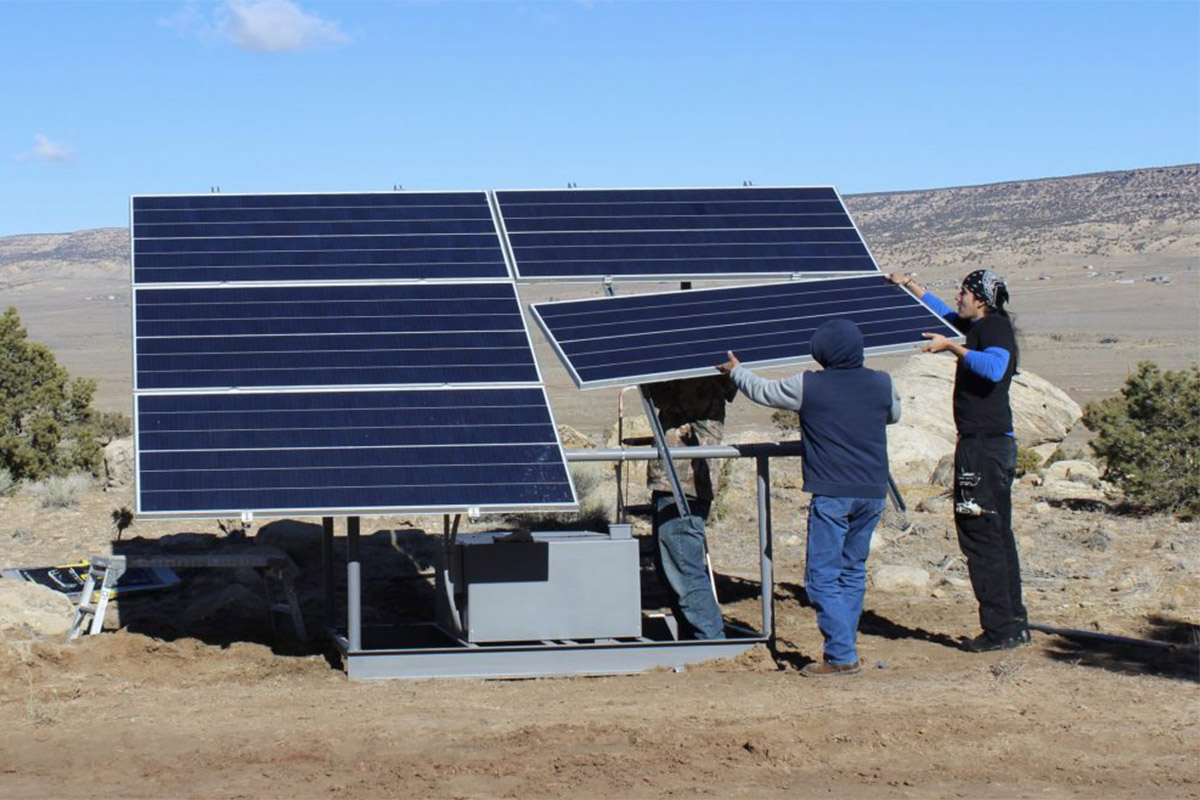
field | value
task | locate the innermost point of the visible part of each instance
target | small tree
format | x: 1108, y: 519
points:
x: 45, y: 415
x: 1149, y: 439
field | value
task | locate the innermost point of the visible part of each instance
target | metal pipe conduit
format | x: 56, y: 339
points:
x: 768, y: 450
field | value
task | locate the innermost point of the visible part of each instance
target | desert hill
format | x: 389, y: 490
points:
x: 1146, y: 212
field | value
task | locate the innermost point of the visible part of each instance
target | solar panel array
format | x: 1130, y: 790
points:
x: 680, y: 233
x: 323, y: 353
x: 345, y: 385
x: 634, y: 339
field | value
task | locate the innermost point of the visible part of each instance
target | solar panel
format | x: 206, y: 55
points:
x: 334, y: 353
x: 632, y: 339
x: 381, y: 451
x: 315, y: 237
x: 680, y: 233
x: 330, y: 335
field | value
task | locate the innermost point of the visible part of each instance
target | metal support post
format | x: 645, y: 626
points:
x: 764, y: 546
x: 664, y: 453
x: 327, y: 570
x: 353, y: 585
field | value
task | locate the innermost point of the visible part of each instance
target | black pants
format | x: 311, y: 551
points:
x: 984, y: 469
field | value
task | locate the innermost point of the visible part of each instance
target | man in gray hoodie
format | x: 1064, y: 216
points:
x: 844, y: 410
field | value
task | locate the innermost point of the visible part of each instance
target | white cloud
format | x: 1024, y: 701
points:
x: 276, y: 26
x: 48, y: 151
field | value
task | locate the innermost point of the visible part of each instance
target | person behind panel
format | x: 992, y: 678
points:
x: 692, y: 413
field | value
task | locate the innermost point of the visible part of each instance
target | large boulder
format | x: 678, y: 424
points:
x: 30, y: 609
x: 118, y: 463
x: 1042, y: 414
x: 573, y: 439
x: 915, y: 453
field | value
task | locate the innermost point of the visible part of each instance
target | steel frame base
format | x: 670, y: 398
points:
x: 424, y: 651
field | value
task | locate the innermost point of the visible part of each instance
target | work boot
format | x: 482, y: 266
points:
x: 987, y: 642
x: 823, y: 669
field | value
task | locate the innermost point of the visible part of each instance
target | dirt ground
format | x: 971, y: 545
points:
x: 186, y: 704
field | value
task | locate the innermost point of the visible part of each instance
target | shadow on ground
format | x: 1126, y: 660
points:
x: 223, y: 605
x: 874, y: 624
x: 1180, y: 661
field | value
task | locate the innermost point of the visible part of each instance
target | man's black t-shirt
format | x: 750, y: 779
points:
x: 981, y: 406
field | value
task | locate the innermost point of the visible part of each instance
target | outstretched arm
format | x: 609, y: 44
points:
x: 931, y: 300
x: 786, y: 394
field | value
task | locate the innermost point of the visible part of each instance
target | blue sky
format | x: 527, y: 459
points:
x: 101, y: 100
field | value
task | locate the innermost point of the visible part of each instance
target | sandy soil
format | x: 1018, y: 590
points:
x: 181, y: 704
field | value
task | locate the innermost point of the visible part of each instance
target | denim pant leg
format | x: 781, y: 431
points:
x: 839, y: 538
x: 863, y: 517
x: 682, y: 550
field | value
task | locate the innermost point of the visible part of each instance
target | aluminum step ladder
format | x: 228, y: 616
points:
x: 93, y: 602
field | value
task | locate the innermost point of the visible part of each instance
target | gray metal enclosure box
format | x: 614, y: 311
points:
x: 559, y: 586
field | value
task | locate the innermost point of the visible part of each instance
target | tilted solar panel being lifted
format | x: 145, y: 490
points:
x: 214, y: 238
x: 634, y: 339
x: 680, y: 233
x: 380, y: 363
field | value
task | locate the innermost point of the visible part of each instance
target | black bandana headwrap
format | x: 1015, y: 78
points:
x: 988, y: 287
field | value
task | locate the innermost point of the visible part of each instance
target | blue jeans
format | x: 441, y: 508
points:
x: 835, y: 576
x: 681, y: 549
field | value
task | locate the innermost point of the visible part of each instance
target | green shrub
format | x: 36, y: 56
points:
x: 7, y: 484
x: 1028, y: 461
x: 111, y: 425
x: 45, y: 415
x: 1149, y: 439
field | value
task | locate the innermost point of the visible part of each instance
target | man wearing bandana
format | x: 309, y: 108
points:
x: 985, y: 458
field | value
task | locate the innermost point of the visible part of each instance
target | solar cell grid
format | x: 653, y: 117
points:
x: 275, y: 238
x: 650, y: 337
x: 647, y: 233
x: 297, y: 336
x: 396, y: 450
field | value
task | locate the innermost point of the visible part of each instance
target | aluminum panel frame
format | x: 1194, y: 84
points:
x: 936, y: 324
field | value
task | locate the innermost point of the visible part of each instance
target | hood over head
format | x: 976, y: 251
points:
x: 838, y: 344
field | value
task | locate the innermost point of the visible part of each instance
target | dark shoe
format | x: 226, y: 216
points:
x: 823, y: 669
x: 987, y: 643
x: 1023, y: 637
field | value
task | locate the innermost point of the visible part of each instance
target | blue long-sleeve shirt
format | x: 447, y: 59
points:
x: 990, y: 363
